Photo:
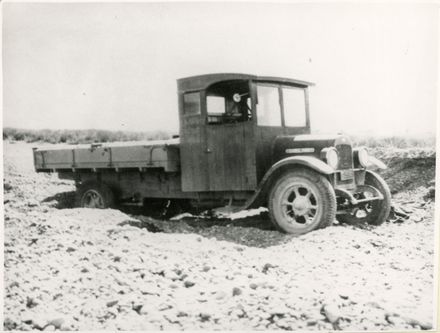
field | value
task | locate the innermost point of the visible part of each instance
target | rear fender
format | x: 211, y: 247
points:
x: 307, y: 161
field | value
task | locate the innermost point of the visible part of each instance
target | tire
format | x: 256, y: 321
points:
x: 378, y: 210
x: 301, y: 201
x: 94, y: 195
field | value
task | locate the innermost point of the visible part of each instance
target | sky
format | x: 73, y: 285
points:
x: 114, y: 65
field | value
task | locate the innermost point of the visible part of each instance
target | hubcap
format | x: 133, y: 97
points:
x: 92, y: 199
x: 299, y: 204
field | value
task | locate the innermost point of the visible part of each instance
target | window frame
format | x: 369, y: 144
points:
x: 306, y: 105
x: 280, y: 102
x: 200, y: 106
x: 251, y: 117
x: 280, y: 87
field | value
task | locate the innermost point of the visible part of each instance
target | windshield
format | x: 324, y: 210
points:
x: 273, y: 100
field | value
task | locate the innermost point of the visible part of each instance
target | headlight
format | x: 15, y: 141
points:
x: 331, y: 157
x: 363, y: 157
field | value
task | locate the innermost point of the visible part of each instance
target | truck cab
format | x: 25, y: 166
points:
x: 228, y: 123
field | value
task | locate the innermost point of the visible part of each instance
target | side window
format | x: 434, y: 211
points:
x: 216, y: 105
x: 191, y: 103
x: 228, y: 102
x: 294, y: 107
x: 268, y: 107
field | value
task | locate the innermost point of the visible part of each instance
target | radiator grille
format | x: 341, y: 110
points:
x: 345, y: 156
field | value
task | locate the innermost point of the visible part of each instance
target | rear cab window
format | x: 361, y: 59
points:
x: 191, y: 103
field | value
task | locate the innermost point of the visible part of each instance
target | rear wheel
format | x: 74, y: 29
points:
x: 94, y: 195
x: 374, y: 212
x: 301, y: 201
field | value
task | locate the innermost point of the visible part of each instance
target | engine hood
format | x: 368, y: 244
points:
x: 309, y: 144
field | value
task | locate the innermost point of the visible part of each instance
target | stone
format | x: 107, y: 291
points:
x: 204, y: 316
x: 49, y: 328
x: 14, y: 284
x: 331, y: 312
x: 32, y: 203
x: 137, y: 308
x: 57, y: 322
x: 220, y: 295
x: 7, y: 187
x: 236, y: 291
x: 188, y: 284
x: 266, y: 267
x: 111, y: 303
x: 39, y: 322
x: 30, y: 302
x: 9, y: 324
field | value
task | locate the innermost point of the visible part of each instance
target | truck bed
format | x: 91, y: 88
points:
x: 116, y: 155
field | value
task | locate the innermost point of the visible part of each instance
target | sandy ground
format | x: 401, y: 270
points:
x: 84, y: 269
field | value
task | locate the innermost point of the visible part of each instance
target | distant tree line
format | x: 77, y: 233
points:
x: 400, y: 142
x: 94, y: 135
x: 79, y: 136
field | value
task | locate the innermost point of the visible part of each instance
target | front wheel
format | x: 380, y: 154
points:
x: 374, y: 212
x: 94, y: 195
x: 301, y: 201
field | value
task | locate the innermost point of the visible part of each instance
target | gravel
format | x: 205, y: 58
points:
x: 85, y: 269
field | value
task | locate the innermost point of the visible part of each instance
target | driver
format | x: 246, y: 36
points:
x: 239, y: 110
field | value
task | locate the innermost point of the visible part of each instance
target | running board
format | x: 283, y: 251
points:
x: 228, y: 209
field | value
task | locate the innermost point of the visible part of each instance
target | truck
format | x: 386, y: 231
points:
x: 244, y: 142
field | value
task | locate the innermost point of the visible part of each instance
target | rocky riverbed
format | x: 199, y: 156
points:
x: 84, y: 269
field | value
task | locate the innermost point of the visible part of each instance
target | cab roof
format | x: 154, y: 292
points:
x: 201, y: 82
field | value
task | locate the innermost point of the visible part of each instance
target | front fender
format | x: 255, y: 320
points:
x: 308, y: 161
x: 375, y: 164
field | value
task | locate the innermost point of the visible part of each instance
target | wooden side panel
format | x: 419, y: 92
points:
x: 54, y: 159
x: 110, y: 156
x: 192, y: 152
x: 92, y: 158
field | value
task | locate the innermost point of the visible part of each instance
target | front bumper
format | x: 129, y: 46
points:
x: 375, y: 194
x: 350, y: 186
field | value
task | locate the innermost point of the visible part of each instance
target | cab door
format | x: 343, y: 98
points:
x: 230, y: 148
x: 217, y: 149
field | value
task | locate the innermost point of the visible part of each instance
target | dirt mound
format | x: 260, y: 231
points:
x: 408, y: 169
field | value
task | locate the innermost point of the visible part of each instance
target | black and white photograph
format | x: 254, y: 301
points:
x: 223, y: 166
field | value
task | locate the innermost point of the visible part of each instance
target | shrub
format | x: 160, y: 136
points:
x: 79, y: 136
